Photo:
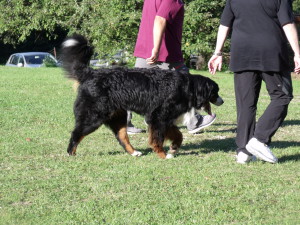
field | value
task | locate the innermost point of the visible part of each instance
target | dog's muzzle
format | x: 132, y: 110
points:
x: 218, y: 102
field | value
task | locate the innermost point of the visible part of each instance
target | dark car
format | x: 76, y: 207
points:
x: 32, y: 59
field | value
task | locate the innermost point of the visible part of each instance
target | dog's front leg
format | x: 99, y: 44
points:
x: 156, y: 142
x: 118, y: 124
x: 175, y: 136
x: 125, y: 143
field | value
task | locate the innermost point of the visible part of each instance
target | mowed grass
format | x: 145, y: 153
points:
x: 41, y: 184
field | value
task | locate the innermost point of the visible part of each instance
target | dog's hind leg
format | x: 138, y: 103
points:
x: 74, y: 141
x: 175, y: 136
x: 118, y: 124
x: 156, y: 141
x: 81, y: 130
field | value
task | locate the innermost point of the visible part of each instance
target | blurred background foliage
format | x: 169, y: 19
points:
x: 111, y: 25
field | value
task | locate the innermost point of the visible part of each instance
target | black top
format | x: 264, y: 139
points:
x: 258, y: 41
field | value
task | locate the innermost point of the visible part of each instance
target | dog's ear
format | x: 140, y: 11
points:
x: 207, y: 108
x: 201, y: 91
x: 204, y: 90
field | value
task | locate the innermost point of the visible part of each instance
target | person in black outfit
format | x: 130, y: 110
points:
x: 259, y: 52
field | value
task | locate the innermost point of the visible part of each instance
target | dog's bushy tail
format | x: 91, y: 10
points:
x: 75, y: 55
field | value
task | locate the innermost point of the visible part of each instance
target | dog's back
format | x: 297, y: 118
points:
x: 138, y: 90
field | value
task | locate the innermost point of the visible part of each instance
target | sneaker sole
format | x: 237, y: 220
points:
x: 252, y: 159
x: 260, y: 155
x: 128, y: 132
x: 200, y: 128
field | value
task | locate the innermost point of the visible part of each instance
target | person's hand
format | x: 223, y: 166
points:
x: 153, y: 58
x: 215, y: 63
x: 297, y: 64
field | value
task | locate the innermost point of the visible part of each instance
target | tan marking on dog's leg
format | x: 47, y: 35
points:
x: 175, y: 136
x: 73, y: 151
x: 156, y: 146
x: 124, y: 139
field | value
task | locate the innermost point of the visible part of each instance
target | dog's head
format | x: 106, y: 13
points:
x: 206, y: 91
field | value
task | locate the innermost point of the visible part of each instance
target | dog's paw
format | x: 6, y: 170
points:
x: 170, y: 156
x: 136, y: 154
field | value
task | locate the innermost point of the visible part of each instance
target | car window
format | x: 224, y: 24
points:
x: 21, y: 60
x: 14, y: 60
x: 50, y: 58
x: 35, y: 59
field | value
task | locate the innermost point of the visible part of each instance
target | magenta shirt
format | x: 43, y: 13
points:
x: 173, y: 12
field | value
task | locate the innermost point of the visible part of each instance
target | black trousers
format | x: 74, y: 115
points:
x: 247, y: 88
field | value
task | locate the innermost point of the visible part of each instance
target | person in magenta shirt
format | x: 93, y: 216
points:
x: 158, y: 45
x: 166, y: 13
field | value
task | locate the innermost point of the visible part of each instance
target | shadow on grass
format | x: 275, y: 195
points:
x: 285, y: 123
x: 208, y: 146
x: 288, y: 158
x: 286, y: 144
x: 216, y: 129
x: 144, y: 151
x: 220, y: 145
x: 290, y: 123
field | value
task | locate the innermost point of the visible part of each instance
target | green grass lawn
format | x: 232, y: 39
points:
x: 41, y: 184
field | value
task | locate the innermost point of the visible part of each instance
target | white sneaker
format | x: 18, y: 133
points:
x: 203, y: 121
x: 261, y: 150
x: 134, y: 130
x: 243, y: 158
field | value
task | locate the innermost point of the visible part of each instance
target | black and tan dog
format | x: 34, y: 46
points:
x: 105, y: 95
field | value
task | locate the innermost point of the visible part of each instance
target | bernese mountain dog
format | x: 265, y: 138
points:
x: 106, y: 94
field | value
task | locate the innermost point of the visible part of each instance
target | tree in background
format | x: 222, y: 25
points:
x: 296, y: 6
x: 110, y: 24
x: 202, y: 19
x: 20, y: 18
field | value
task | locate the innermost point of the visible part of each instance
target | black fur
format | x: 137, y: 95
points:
x: 105, y: 95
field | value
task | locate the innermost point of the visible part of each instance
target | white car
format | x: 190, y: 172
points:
x: 32, y: 59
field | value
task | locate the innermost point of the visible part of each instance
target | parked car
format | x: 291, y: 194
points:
x: 99, y: 62
x: 118, y: 59
x: 32, y: 59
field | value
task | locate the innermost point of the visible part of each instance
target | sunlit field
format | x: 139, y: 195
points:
x: 41, y: 184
